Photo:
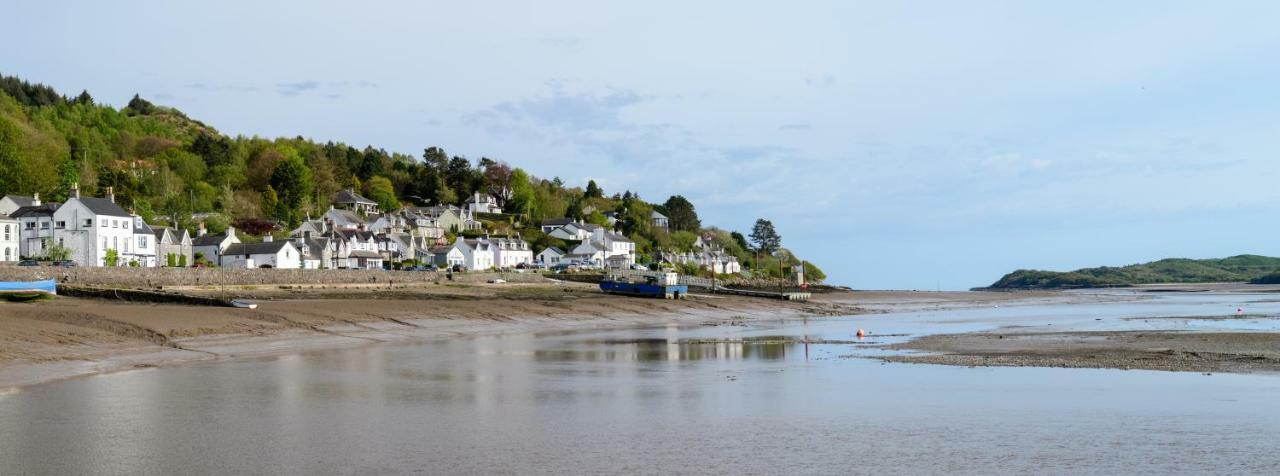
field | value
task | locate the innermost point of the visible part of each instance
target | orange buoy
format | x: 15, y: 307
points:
x: 861, y: 333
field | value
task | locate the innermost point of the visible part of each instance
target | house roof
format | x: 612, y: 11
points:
x: 4, y: 217
x: 102, y: 206
x: 347, y: 215
x: 20, y: 200
x: 264, y: 248
x: 616, y: 237
x: 209, y: 240
x: 41, y: 210
x: 655, y: 214
x: 557, y: 222
x: 364, y: 254
x: 553, y: 250
x: 350, y: 196
x: 483, y: 197
x: 140, y: 228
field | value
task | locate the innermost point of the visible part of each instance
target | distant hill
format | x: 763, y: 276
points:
x: 1243, y: 268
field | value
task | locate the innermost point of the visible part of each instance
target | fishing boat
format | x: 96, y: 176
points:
x: 667, y: 286
x: 26, y: 291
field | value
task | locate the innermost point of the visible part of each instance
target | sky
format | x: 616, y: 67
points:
x: 898, y: 145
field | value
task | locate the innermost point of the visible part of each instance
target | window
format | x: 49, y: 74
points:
x: 105, y: 223
x: 31, y: 225
x: 104, y: 244
x: 6, y: 233
x: 61, y: 243
x: 44, y: 225
x: 142, y: 242
x: 61, y: 224
x: 88, y: 223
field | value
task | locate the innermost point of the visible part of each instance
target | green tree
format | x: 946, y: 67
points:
x: 270, y: 203
x: 593, y: 190
x: 182, y: 261
x: 171, y: 260
x: 764, y: 237
x: 680, y: 214
x: 379, y: 189
x: 292, y: 181
x: 522, y: 198
x: 54, y: 251
x: 111, y: 257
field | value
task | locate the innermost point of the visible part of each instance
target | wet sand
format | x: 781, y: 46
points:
x: 1147, y: 350
x: 68, y: 337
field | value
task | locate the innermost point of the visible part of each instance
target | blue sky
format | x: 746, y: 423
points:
x: 907, y: 145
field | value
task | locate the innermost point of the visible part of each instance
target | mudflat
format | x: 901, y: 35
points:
x: 69, y: 337
x: 1147, y: 350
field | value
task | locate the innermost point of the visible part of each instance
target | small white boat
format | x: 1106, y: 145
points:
x: 240, y: 303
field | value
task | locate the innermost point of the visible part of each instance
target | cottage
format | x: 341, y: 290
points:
x: 9, y: 239
x: 477, y: 254
x: 348, y: 199
x: 551, y: 225
x: 483, y: 203
x: 210, y: 247
x: 314, y: 253
x: 549, y: 257
x: 658, y: 221
x: 173, y: 247
x: 344, y: 219
x: 268, y: 254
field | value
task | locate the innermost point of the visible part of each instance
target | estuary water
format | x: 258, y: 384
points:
x: 733, y: 398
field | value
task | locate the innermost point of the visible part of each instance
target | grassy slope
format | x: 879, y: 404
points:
x: 1241, y: 268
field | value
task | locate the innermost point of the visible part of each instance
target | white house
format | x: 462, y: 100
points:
x: 36, y: 222
x: 586, y: 253
x: 362, y: 249
x: 212, y: 246
x: 658, y: 220
x: 268, y: 254
x: 10, y: 237
x: 614, y: 244
x: 11, y: 203
x: 511, y: 252
x: 552, y: 224
x: 549, y: 257
x: 89, y: 227
x: 144, y: 249
x: 575, y: 231
x: 477, y: 254
x: 483, y: 203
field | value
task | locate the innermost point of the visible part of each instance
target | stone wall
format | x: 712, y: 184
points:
x: 156, y: 277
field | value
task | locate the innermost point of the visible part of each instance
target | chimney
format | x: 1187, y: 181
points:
x: 201, y: 231
x: 75, y: 190
x: 231, y: 231
x: 111, y: 194
x: 35, y: 199
x: 268, y: 238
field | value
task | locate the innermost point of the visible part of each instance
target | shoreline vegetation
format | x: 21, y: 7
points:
x: 1251, y: 269
x: 73, y: 337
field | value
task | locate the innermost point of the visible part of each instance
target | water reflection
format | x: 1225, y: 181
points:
x: 667, y: 349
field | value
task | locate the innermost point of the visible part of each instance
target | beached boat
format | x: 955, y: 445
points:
x: 26, y: 291
x: 666, y: 286
x: 240, y: 303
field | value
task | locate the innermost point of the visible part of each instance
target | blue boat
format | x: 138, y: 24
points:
x: 22, y: 291
x: 667, y: 287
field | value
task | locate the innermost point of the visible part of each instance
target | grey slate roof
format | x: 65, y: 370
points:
x: 209, y: 240
x: 350, y: 196
x: 102, y: 206
x: 21, y: 201
x: 557, y: 222
x: 42, y: 210
x: 265, y: 248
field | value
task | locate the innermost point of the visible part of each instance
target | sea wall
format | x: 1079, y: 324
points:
x: 158, y: 277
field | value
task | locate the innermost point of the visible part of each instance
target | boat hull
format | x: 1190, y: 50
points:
x: 644, y: 290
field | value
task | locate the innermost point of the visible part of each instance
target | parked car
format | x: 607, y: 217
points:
x: 64, y: 264
x: 28, y: 262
